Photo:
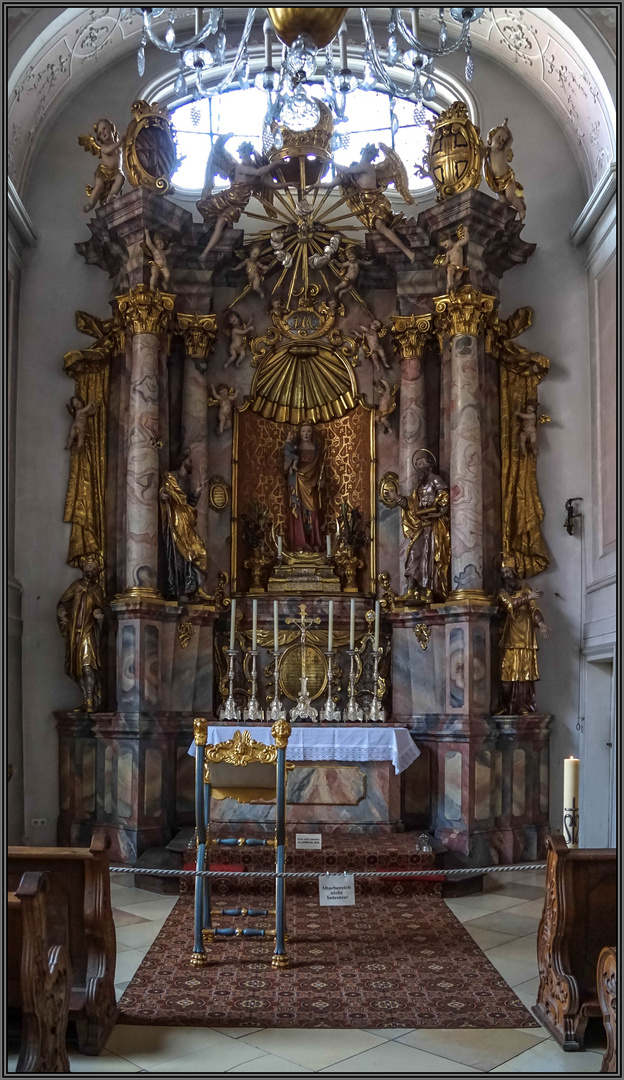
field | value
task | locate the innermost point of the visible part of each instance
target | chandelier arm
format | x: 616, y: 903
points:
x: 377, y: 65
x: 240, y: 52
x: 192, y: 42
x: 427, y: 50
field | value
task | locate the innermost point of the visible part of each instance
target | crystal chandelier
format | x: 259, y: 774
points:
x: 308, y: 37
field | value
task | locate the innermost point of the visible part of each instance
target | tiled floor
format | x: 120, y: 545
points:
x: 502, y: 920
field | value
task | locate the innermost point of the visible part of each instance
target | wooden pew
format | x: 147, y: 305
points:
x: 579, y: 919
x: 606, y: 977
x: 79, y: 917
x: 38, y: 979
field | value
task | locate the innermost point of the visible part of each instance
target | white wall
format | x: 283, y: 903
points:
x: 56, y: 282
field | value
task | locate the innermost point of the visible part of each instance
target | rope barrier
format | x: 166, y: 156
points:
x: 311, y: 874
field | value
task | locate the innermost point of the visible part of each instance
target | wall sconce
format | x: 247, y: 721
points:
x: 571, y: 515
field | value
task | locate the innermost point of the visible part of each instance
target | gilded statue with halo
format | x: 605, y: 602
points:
x: 425, y: 522
x: 185, y: 550
x: 519, y: 671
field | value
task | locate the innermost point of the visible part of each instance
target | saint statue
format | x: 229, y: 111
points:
x: 186, y: 554
x: 80, y: 614
x: 425, y: 521
x: 519, y: 671
x: 304, y: 457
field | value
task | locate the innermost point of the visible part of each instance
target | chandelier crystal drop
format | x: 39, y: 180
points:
x: 287, y: 86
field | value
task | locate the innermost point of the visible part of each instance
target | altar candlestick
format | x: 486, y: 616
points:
x: 275, y: 626
x: 377, y: 619
x: 352, y: 625
x: 330, y: 628
x: 279, y: 547
x: 328, y: 545
x: 232, y: 623
x: 254, y: 624
x: 571, y: 801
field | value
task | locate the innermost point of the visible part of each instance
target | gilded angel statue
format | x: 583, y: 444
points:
x: 453, y: 257
x: 224, y: 208
x: 363, y: 185
x: 499, y: 174
x: 109, y: 179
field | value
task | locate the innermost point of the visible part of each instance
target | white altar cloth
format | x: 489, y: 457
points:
x: 361, y: 743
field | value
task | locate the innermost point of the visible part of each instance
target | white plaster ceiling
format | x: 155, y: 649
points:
x: 534, y: 43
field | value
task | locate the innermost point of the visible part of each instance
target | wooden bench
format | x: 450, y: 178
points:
x: 79, y: 917
x: 606, y: 978
x: 579, y: 919
x: 38, y: 979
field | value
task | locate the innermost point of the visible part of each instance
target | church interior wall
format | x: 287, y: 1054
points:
x: 56, y: 283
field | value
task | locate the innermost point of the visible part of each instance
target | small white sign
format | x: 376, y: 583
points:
x: 309, y: 841
x: 336, y: 890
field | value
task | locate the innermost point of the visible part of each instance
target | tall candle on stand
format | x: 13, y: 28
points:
x: 232, y: 623
x: 571, y: 801
x: 254, y: 624
x: 328, y: 545
x: 330, y: 627
x: 279, y: 547
x: 275, y: 626
x: 377, y: 618
x: 352, y: 625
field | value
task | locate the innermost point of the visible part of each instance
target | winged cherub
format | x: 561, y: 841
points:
x: 386, y: 404
x: 363, y: 185
x: 453, y: 257
x: 498, y: 171
x: 225, y: 397
x: 79, y: 413
x: 223, y: 208
x: 109, y: 178
x: 238, y: 331
x: 372, y: 345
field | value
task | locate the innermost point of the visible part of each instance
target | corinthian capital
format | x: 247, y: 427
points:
x: 146, y: 312
x: 410, y: 334
x: 199, y: 333
x: 467, y: 311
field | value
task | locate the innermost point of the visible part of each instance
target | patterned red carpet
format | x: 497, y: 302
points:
x: 390, y: 961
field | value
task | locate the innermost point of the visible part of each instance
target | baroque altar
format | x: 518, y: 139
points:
x: 324, y: 413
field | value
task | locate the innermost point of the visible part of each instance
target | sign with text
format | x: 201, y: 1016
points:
x: 309, y: 841
x: 337, y: 890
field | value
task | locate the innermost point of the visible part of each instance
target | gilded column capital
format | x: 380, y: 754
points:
x: 411, y: 333
x: 199, y: 332
x: 146, y: 312
x: 467, y: 311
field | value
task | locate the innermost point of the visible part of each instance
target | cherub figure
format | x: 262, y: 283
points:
x: 80, y: 414
x: 363, y: 185
x: 349, y: 272
x: 373, y: 346
x: 238, y: 331
x: 386, y: 404
x: 225, y: 397
x: 224, y: 208
x: 529, y: 419
x: 453, y: 258
x: 108, y: 176
x: 256, y: 269
x: 499, y: 175
x: 158, y: 249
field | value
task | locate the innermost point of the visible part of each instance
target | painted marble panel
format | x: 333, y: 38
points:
x: 88, y: 777
x: 479, y: 666
x: 466, y: 482
x: 127, y: 667
x: 453, y: 785
x: 151, y: 665
x: 202, y: 691
x: 518, y: 791
x: 152, y: 791
x: 497, y: 783
x: 412, y: 432
x: 108, y: 779
x: 456, y: 668
x: 482, y: 784
x: 142, y: 465
x: 418, y: 675
x: 544, y: 759
x: 124, y: 782
x: 195, y: 433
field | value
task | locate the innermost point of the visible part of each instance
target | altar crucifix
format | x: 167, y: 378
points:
x: 304, y: 710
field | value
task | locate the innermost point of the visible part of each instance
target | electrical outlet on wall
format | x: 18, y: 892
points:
x: 38, y: 822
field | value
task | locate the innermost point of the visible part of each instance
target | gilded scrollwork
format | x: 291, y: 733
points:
x: 241, y: 749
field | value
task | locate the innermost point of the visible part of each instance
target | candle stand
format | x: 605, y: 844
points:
x: 330, y: 714
x: 304, y: 709
x: 276, y: 710
x: 377, y: 712
x: 230, y: 710
x: 352, y: 713
x: 252, y: 710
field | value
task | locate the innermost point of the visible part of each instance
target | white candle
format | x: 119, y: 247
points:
x: 328, y: 545
x: 342, y: 42
x: 571, y: 793
x: 330, y: 628
x: 352, y: 625
x: 268, y: 44
x: 232, y: 623
x: 275, y: 626
x: 279, y: 546
x: 377, y: 618
x: 254, y: 624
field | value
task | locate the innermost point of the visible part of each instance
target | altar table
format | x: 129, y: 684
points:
x: 325, y: 791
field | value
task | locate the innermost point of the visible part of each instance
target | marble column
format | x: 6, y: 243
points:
x: 462, y: 317
x: 410, y: 334
x: 199, y: 334
x: 147, y: 316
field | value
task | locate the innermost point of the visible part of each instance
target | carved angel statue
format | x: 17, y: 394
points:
x: 349, y: 273
x: 529, y: 419
x: 386, y: 404
x: 238, y: 331
x: 327, y: 254
x: 372, y: 345
x: 225, y: 397
x: 453, y: 258
x: 224, y: 208
x: 499, y: 175
x: 363, y: 185
x: 109, y: 178
x: 158, y: 250
x: 256, y: 269
x: 80, y: 413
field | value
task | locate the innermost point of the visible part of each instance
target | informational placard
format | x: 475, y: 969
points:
x: 308, y: 841
x: 337, y: 890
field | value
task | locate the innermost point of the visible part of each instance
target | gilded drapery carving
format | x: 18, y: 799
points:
x: 521, y: 372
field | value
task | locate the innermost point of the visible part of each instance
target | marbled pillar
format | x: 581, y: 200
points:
x: 462, y: 318
x: 410, y: 334
x: 199, y: 333
x: 147, y: 316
